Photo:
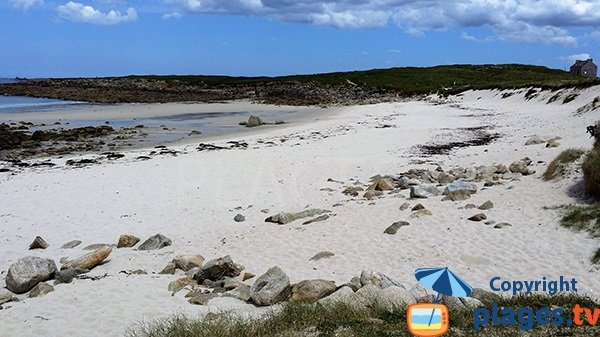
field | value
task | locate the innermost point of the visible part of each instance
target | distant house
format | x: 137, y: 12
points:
x: 585, y: 68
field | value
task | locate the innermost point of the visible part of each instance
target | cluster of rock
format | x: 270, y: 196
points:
x: 550, y: 143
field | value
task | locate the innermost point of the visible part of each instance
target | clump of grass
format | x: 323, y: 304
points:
x: 591, y: 172
x: 583, y: 218
x: 531, y: 93
x: 554, y: 98
x: 570, y: 98
x: 566, y: 157
x: 507, y: 94
x: 346, y: 321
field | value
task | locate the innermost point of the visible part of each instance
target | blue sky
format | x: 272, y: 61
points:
x: 46, y: 38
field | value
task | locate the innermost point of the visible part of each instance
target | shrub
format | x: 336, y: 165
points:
x: 591, y: 171
x: 564, y: 158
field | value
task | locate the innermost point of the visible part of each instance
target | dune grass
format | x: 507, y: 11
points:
x: 565, y: 157
x: 582, y: 218
x: 296, y: 320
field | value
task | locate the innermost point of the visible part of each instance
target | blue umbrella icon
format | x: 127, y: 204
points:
x: 444, y: 282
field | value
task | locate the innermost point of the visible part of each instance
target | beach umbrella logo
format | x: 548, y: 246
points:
x: 432, y: 319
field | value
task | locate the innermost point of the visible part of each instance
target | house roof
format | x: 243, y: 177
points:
x: 581, y: 63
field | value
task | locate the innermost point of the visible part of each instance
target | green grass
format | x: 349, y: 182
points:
x: 582, y: 218
x: 343, y: 321
x: 570, y: 98
x: 591, y: 172
x: 565, y: 157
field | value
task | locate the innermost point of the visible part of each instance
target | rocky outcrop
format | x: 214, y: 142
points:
x: 27, y: 272
x: 270, y: 288
x: 218, y: 269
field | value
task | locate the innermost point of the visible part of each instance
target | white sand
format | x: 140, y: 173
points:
x: 191, y: 199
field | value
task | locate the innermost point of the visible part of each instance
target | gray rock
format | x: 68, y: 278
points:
x: 405, y: 206
x: 157, y: 241
x: 95, y: 246
x: 421, y: 213
x: 271, y: 288
x: 322, y: 255
x: 242, y: 293
x: 393, y: 229
x: 418, y: 291
x: 470, y: 206
x: 460, y: 185
x: 418, y: 207
x: 487, y: 205
x: 354, y: 284
x: 502, y: 225
x: 41, y: 289
x: 218, y: 269
x: 471, y: 303
x: 372, y: 194
x: 239, y: 218
x: 254, y: 121
x: 344, y: 295
x: 454, y: 304
x: 460, y: 195
x: 89, y: 261
x: 38, y: 243
x: 485, y: 296
x: 67, y: 275
x: 71, y: 244
x: 169, y: 269
x: 534, y: 141
x: 310, y: 291
x: 369, y: 277
x: 231, y: 283
x: 5, y: 297
x: 478, y: 217
x: 317, y: 219
x: 187, y: 262
x: 247, y: 276
x: 181, y: 283
x: 394, y: 298
x: 552, y: 143
x: 27, y: 272
x: 368, y: 296
x: 127, y: 241
x: 445, y: 178
x: 203, y: 299
x: 285, y: 218
x: 192, y: 271
x: 423, y: 191
x: 522, y: 167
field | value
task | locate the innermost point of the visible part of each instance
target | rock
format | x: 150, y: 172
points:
x: 322, y: 255
x: 521, y: 167
x: 484, y: 296
x: 38, y: 243
x: 369, y: 277
x: 127, y: 241
x: 5, y: 297
x: 242, y: 293
x: 470, y: 206
x: 394, y: 298
x: 239, y: 218
x: 344, y: 295
x: 27, y: 272
x: 486, y: 205
x: 393, y: 229
x: 478, y: 217
x: 353, y: 191
x: 471, y: 303
x: 385, y: 184
x: 445, y: 178
x: 157, y: 241
x: 552, y: 143
x: 418, y: 292
x: 460, y: 185
x: 310, y: 291
x: 457, y: 196
x: 231, y: 283
x: 71, y: 244
x: 254, y: 121
x: 181, y: 283
x: 95, y: 246
x: 534, y: 140
x: 405, y: 206
x: 169, y: 269
x: 192, y: 271
x: 354, y: 284
x: 271, y: 288
x: 89, y: 261
x: 423, y: 191
x: 285, y: 218
x: 502, y: 225
x: 187, y: 262
x: 40, y: 290
x: 247, y: 276
x: 218, y: 269
x: 454, y: 304
x: 67, y: 275
x: 490, y: 222
x: 367, y: 296
x: 317, y: 219
x: 203, y: 299
x: 371, y: 194
x: 421, y: 213
x: 418, y: 207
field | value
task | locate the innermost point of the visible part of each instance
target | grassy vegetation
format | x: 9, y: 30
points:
x: 449, y: 79
x: 565, y: 157
x: 591, y: 167
x: 570, y: 98
x: 582, y: 218
x: 345, y: 321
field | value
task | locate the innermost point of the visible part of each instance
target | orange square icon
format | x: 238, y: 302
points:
x: 427, y: 319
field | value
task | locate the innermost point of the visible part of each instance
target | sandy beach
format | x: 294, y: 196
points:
x: 193, y: 197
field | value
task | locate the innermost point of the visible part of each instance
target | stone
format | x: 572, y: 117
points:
x: 445, y: 178
x: 41, y: 289
x: 485, y: 296
x: 460, y: 185
x: 405, y: 206
x: 534, y: 140
x: 38, y: 243
x: 95, y: 246
x: 192, y: 271
x: 418, y: 207
x: 181, y: 283
x: 203, y: 299
x: 271, y: 288
x: 478, y: 217
x: 502, y: 225
x: 67, y: 275
x: 486, y: 205
x: 127, y: 241
x: 393, y: 229
x: 393, y: 298
x: 367, y: 296
x: 169, y: 269
x: 254, y: 121
x: 310, y: 291
x: 242, y: 293
x: 89, y: 261
x: 71, y: 244
x: 521, y: 166
x: 353, y: 191
x: 247, y: 276
x: 239, y: 218
x: 5, y: 297
x: 471, y: 303
x: 27, y: 272
x: 285, y: 218
x: 369, y: 277
x: 423, y: 191
x: 421, y: 213
x: 157, y: 241
x: 344, y: 295
x: 418, y: 292
x: 470, y: 206
x: 218, y: 269
x: 454, y: 304
x: 371, y: 194
x: 460, y: 195
x: 317, y: 219
x: 231, y: 283
x: 354, y: 284
x: 385, y: 184
x: 552, y: 143
x: 322, y: 255
x: 187, y: 262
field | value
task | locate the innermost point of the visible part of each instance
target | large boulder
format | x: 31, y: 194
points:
x: 254, y: 121
x: 284, y: 218
x: 127, y: 241
x: 271, y: 288
x: 187, y: 262
x: 27, y: 272
x: 344, y: 295
x: 423, y: 191
x: 218, y: 269
x: 394, y: 298
x: 522, y: 167
x: 460, y: 185
x: 89, y: 261
x: 310, y: 291
x: 157, y: 241
x: 380, y: 280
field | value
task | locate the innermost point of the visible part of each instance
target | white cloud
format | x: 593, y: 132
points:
x: 26, y: 4
x: 528, y: 21
x: 172, y: 15
x: 576, y: 57
x: 78, y: 12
